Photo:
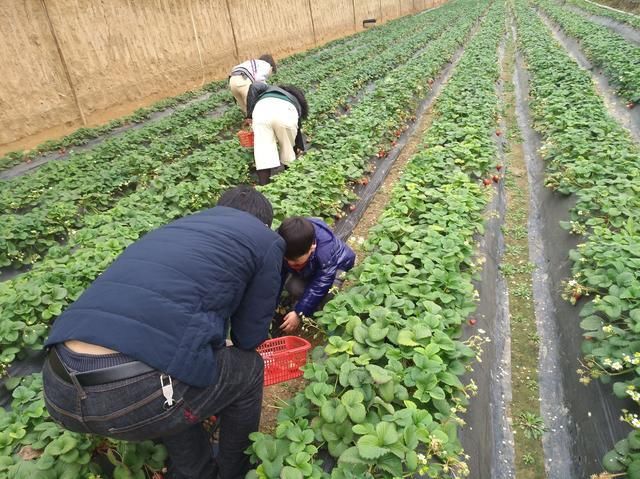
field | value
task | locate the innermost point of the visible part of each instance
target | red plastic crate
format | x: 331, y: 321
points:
x: 283, y: 357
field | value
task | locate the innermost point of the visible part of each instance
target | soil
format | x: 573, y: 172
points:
x: 383, y: 195
x: 529, y: 459
x: 276, y: 395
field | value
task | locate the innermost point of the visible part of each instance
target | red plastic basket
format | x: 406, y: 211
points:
x: 246, y: 138
x: 283, y: 357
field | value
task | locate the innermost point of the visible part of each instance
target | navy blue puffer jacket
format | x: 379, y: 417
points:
x: 170, y: 297
x: 331, y: 255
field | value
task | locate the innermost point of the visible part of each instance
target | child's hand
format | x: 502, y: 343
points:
x: 290, y: 322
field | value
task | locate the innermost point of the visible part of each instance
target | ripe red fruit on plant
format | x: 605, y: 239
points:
x: 495, y: 178
x: 486, y: 182
x: 630, y: 105
x: 352, y: 207
x: 365, y: 181
x: 158, y: 475
x: 577, y: 296
x: 498, y: 133
x: 472, y: 321
x: 498, y: 167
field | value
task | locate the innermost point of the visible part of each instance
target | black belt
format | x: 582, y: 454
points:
x: 98, y: 376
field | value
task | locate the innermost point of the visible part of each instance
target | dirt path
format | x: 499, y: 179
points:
x: 629, y: 119
x: 516, y: 269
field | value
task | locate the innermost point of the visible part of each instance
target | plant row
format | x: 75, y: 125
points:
x: 26, y: 237
x: 618, y: 58
x: 384, y: 395
x: 588, y: 154
x: 628, y: 18
x: 27, y: 429
x: 25, y: 192
x: 83, y: 135
x: 321, y: 178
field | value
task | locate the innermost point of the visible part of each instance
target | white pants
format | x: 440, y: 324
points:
x: 239, y: 87
x: 275, y: 123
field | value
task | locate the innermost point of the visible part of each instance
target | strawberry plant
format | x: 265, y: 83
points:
x: 27, y: 236
x: 384, y: 393
x: 630, y: 19
x: 32, y: 300
x: 618, y: 58
x: 588, y: 154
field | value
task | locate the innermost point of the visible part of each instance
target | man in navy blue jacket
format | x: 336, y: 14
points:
x: 314, y: 258
x: 142, y: 353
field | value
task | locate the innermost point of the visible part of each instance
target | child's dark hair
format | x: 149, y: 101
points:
x: 246, y: 198
x: 298, y: 234
x: 299, y: 94
x: 267, y: 57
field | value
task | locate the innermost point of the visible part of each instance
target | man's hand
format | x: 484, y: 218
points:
x: 290, y: 322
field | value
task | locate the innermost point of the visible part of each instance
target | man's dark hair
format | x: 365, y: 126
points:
x: 246, y: 198
x: 267, y: 57
x: 298, y: 234
x: 299, y: 94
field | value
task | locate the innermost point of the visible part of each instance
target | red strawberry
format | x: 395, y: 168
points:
x: 498, y: 167
x: 495, y: 178
x: 498, y: 133
x: 630, y: 105
x: 472, y: 321
x: 577, y: 296
x: 365, y: 181
x: 352, y: 207
x: 486, y: 182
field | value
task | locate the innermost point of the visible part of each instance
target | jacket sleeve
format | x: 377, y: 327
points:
x: 250, y: 322
x: 253, y: 95
x: 317, y: 288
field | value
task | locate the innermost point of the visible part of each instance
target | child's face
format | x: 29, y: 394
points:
x: 300, y: 262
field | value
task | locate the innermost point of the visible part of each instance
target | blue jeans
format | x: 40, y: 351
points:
x: 133, y: 410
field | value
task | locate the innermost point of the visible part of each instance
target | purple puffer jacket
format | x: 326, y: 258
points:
x: 319, y: 273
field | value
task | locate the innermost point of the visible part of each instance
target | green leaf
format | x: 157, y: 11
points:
x: 377, y: 332
x: 289, y: 472
x: 351, y: 456
x: 122, y: 472
x: 368, y: 447
x: 378, y: 374
x: 611, y: 462
x: 591, y: 323
x: 406, y: 338
x: 387, y: 433
x: 60, y: 446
